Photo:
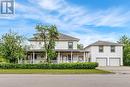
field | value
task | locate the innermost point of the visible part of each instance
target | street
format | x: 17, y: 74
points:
x: 91, y: 80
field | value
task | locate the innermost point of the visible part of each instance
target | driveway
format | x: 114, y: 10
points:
x: 91, y: 80
x: 118, y: 70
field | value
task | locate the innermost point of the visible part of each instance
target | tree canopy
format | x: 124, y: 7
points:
x: 11, y: 47
x: 125, y: 40
x: 48, y: 34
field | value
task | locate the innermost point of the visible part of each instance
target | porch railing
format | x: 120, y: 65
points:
x: 43, y: 61
x: 35, y: 61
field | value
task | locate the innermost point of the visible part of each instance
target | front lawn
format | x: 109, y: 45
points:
x: 53, y: 71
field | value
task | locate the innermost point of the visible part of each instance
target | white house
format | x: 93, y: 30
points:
x: 105, y: 53
x: 66, y: 48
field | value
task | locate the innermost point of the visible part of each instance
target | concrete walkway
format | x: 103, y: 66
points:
x: 117, y: 70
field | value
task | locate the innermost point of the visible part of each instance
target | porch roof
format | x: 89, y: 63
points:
x: 58, y: 50
x: 70, y: 50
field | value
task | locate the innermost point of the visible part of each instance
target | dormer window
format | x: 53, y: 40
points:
x: 70, y: 45
x: 100, y: 49
x: 112, y: 48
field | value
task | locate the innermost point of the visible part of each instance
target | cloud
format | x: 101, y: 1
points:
x: 78, y: 16
x: 69, y: 18
x: 89, y: 38
x: 113, y: 17
x: 72, y: 15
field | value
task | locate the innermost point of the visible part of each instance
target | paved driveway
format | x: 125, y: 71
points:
x: 118, y: 70
x: 109, y: 80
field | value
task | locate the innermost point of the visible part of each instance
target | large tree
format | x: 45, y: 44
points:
x: 125, y: 40
x: 48, y: 34
x: 11, y: 47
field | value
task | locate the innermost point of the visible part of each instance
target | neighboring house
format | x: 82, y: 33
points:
x: 105, y: 53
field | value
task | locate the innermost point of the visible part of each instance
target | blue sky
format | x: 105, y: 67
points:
x: 88, y: 20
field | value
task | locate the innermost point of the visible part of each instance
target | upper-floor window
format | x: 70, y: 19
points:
x: 100, y: 48
x: 112, y: 48
x: 70, y: 45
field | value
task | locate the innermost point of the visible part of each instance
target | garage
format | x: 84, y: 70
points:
x: 114, y: 61
x: 101, y: 61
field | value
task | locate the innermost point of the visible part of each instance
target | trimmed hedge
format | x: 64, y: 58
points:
x: 86, y: 65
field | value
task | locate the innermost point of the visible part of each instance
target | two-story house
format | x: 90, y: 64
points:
x: 66, y: 48
x: 106, y: 53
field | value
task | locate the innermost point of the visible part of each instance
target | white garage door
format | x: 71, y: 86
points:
x: 114, y: 61
x: 102, y: 61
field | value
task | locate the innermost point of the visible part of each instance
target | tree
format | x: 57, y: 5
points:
x: 125, y: 40
x: 53, y: 36
x: 80, y: 46
x: 48, y: 34
x: 11, y: 47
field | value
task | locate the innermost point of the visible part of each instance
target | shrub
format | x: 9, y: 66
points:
x: 86, y: 65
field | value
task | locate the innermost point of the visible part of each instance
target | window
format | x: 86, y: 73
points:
x: 69, y: 57
x: 40, y: 43
x: 100, y: 48
x: 35, y: 56
x: 70, y: 45
x: 89, y: 59
x: 112, y: 48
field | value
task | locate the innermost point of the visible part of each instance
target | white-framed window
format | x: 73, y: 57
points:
x: 70, y: 45
x: 112, y: 49
x: 101, y: 49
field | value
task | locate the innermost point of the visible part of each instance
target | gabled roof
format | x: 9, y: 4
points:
x: 67, y: 37
x: 62, y: 37
x: 104, y: 43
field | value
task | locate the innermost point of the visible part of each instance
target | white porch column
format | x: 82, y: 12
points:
x: 84, y: 57
x: 58, y: 58
x: 71, y: 56
x: 87, y: 57
x: 33, y: 57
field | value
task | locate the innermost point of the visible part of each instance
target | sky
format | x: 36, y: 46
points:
x: 88, y: 20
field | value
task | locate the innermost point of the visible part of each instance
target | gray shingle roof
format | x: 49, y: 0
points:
x: 104, y: 43
x: 62, y: 37
x: 67, y: 37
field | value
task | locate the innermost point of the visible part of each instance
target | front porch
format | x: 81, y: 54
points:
x: 72, y: 56
x: 63, y: 56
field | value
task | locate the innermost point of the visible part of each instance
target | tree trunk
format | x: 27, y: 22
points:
x: 46, y: 56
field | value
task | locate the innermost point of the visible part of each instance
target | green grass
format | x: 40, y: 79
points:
x: 53, y: 71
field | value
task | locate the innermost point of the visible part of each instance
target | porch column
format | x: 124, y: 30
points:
x: 33, y: 57
x: 58, y: 58
x: 84, y: 57
x: 87, y: 57
x: 71, y: 56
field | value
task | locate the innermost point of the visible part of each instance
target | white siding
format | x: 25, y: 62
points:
x: 35, y: 45
x: 59, y: 44
x: 94, y: 50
